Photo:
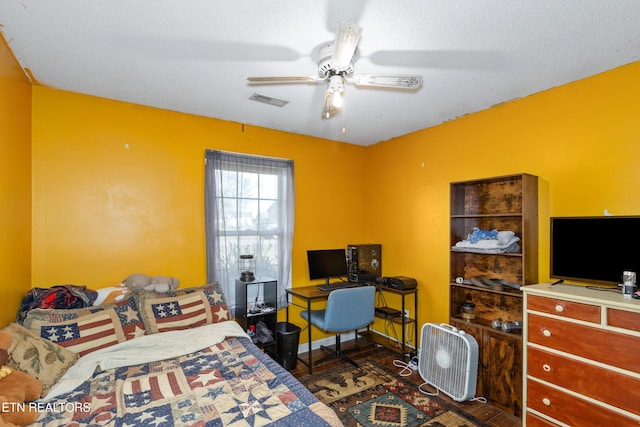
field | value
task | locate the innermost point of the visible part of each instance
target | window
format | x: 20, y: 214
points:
x: 249, y: 204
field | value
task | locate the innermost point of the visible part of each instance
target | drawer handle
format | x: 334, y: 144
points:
x: 546, y: 368
x: 546, y: 332
x: 559, y: 308
x: 546, y: 401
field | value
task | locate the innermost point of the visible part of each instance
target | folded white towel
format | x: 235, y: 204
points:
x: 504, y: 237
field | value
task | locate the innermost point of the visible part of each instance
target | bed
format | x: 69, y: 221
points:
x: 125, y: 364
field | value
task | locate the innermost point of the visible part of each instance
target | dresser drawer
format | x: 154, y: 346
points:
x: 622, y: 391
x: 572, y: 310
x: 572, y: 410
x: 623, y: 319
x: 611, y: 348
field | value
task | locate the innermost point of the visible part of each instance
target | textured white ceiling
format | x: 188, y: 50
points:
x: 194, y: 56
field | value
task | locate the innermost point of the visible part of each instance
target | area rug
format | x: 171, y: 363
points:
x: 373, y: 396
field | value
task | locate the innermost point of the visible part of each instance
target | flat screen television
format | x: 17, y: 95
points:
x: 327, y: 263
x: 594, y: 249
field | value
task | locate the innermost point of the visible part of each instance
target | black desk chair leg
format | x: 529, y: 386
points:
x: 337, y: 353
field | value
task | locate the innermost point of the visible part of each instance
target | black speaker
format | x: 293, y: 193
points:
x: 364, y: 262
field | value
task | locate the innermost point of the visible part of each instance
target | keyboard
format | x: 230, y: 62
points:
x: 337, y: 285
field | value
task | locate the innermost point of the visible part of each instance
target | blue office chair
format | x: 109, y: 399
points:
x: 347, y: 310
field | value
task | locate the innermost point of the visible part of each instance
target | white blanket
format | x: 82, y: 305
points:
x: 144, y: 349
x: 505, y: 243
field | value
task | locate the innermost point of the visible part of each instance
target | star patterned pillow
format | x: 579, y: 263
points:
x: 214, y: 300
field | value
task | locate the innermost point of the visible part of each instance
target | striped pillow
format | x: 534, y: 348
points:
x: 127, y: 312
x: 173, y: 313
x: 83, y: 334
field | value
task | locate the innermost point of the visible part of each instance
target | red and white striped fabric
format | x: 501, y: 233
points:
x: 153, y: 388
x: 180, y: 312
x: 151, y: 393
x: 84, y: 334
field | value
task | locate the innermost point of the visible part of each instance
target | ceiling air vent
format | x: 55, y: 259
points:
x: 268, y: 100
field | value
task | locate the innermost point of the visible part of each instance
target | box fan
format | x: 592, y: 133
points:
x: 448, y: 360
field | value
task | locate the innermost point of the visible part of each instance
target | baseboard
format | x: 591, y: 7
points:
x: 394, y: 339
x: 304, y: 348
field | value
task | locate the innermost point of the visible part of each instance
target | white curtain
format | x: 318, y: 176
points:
x: 249, y: 210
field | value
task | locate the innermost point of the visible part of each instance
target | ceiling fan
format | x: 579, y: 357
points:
x: 335, y: 66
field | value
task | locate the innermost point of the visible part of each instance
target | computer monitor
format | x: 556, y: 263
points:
x: 327, y: 263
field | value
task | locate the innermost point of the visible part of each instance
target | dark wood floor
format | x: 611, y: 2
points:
x: 385, y: 357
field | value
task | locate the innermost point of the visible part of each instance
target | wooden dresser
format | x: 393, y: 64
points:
x: 582, y: 357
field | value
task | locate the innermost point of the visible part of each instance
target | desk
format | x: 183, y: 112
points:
x: 312, y: 293
x: 309, y: 294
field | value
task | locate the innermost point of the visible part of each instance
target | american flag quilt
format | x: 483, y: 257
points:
x: 231, y: 383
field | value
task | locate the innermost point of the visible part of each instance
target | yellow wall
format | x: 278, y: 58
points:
x: 581, y: 139
x: 119, y: 188
x: 15, y: 185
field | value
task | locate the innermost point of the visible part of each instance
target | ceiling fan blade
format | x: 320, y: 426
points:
x: 345, y: 44
x: 397, y: 81
x: 284, y: 80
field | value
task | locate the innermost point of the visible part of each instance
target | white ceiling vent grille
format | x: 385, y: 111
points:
x: 268, y: 100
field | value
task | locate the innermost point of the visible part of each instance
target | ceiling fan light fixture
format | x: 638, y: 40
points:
x: 347, y: 38
x: 337, y: 99
x: 336, y: 86
x: 333, y: 98
x: 328, y: 109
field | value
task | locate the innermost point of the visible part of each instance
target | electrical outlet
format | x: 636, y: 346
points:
x: 406, y: 313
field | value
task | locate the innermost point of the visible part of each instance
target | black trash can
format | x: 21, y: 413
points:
x: 288, y: 338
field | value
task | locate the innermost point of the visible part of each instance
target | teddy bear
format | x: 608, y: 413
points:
x: 16, y: 388
x: 160, y: 284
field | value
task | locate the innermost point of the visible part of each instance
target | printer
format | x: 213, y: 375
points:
x: 401, y: 283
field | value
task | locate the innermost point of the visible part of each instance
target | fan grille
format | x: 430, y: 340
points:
x: 448, y: 360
